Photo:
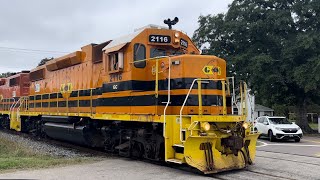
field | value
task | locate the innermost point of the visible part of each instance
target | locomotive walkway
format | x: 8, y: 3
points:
x: 280, y: 160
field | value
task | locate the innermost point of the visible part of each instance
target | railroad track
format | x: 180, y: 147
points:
x: 269, y: 175
x: 289, y: 154
x: 301, y: 162
x: 246, y: 174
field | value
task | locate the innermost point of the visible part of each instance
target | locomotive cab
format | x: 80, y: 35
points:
x: 139, y: 62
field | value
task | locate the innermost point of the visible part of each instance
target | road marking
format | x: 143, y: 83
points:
x: 318, y: 142
x: 296, y: 145
x: 263, y: 144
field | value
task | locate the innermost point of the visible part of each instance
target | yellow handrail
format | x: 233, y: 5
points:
x: 142, y: 60
x: 241, y: 99
x: 245, y: 98
x: 157, y: 78
x: 186, y: 98
x: 224, y: 99
x: 157, y: 70
x: 199, y: 96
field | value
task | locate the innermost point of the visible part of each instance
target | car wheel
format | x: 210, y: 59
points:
x: 271, y: 137
x: 297, y: 140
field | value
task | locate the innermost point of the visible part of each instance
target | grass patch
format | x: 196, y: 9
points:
x: 314, y: 126
x: 17, y: 156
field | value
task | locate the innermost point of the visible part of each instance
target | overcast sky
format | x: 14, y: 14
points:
x: 66, y: 25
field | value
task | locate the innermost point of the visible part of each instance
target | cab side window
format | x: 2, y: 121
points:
x: 139, y: 55
x: 113, y: 62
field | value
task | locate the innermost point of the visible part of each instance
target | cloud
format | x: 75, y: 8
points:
x: 66, y: 25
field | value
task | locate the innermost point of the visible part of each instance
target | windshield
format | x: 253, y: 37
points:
x: 156, y: 52
x: 279, y: 121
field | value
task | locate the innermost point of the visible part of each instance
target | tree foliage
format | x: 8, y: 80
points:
x: 7, y: 74
x: 43, y: 61
x: 271, y: 44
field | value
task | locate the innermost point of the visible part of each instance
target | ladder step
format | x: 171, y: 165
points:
x: 179, y: 145
x: 177, y: 161
x: 178, y: 148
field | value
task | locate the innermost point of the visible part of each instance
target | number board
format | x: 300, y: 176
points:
x: 183, y: 43
x: 159, y: 39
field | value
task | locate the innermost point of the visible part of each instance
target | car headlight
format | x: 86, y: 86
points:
x: 299, y: 128
x: 277, y: 128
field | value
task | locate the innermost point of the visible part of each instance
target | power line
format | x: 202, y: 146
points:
x: 30, y: 50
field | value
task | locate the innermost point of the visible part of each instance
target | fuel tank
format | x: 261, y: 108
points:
x: 66, y: 132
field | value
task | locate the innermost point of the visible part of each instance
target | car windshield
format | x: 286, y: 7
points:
x: 279, y: 121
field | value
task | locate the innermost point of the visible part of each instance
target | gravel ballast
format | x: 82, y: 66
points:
x: 42, y: 147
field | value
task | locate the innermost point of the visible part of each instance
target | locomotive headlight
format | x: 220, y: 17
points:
x: 176, y: 41
x: 205, y: 126
x: 176, y: 34
x: 245, y: 125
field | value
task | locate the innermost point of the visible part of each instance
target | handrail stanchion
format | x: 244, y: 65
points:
x: 245, y: 97
x: 224, y: 100
x: 199, y: 96
x: 157, y: 78
x: 169, y: 99
x: 185, y: 100
x: 241, y: 99
x: 233, y: 99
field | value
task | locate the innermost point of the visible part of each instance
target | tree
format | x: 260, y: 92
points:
x: 43, y: 61
x: 273, y: 45
x: 7, y: 74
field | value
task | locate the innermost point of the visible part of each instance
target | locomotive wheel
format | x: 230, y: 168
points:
x: 137, y: 149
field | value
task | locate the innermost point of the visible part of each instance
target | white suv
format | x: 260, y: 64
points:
x: 278, y: 128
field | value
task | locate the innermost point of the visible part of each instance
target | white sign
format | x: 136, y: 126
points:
x: 37, y: 87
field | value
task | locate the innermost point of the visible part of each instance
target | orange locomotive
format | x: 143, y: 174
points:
x: 149, y: 94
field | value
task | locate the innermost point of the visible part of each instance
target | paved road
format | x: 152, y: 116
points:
x: 288, y: 161
x: 308, y: 146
